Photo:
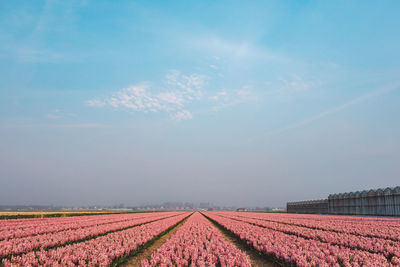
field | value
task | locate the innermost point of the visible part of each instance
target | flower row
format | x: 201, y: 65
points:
x: 10, y: 224
x: 51, y: 225
x: 387, y: 228
x: 299, y: 251
x: 197, y: 243
x: 376, y: 245
x: 26, y: 244
x: 101, y: 251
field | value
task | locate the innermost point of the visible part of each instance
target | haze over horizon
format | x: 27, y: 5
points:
x: 229, y: 102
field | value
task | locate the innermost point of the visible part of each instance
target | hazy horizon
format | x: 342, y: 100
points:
x: 229, y: 102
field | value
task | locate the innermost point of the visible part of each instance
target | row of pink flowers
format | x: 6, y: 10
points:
x: 296, y: 250
x: 379, y: 227
x: 101, y: 251
x: 372, y: 244
x: 26, y: 244
x: 197, y: 243
x: 51, y: 225
x: 9, y: 224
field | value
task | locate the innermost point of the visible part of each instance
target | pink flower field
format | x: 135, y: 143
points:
x: 197, y: 243
x: 316, y: 240
x: 100, y: 251
x: 200, y: 239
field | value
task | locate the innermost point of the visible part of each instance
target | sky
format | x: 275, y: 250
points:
x: 230, y: 102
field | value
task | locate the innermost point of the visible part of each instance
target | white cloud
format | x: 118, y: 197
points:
x: 244, y: 92
x: 238, y: 50
x: 225, y: 99
x: 95, y: 103
x: 289, y: 87
x: 58, y: 114
x: 222, y: 93
x: 180, y: 90
x: 298, y: 84
x: 53, y: 116
x: 182, y: 115
x: 175, y: 96
x: 136, y: 98
x: 190, y: 85
x: 219, y: 95
x: 171, y: 98
x: 54, y: 125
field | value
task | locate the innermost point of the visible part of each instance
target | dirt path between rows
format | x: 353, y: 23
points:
x: 256, y: 258
x: 147, y: 252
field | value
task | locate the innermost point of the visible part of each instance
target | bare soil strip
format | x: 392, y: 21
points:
x: 257, y: 259
x: 152, y: 246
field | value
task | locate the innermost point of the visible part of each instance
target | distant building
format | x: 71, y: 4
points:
x: 372, y: 202
x: 276, y: 210
x: 309, y: 206
x: 382, y: 202
x: 241, y: 209
x: 204, y: 205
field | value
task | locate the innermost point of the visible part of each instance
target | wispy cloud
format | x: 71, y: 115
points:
x: 224, y: 99
x: 292, y: 86
x: 238, y: 52
x: 212, y: 66
x: 357, y: 100
x: 191, y: 86
x: 58, y: 114
x: 178, y: 91
x: 136, y: 98
x: 298, y: 84
x: 234, y: 49
x: 176, y: 96
x: 55, y: 125
x: 53, y: 116
x: 244, y: 92
x: 95, y: 103
x: 183, y: 115
x: 219, y: 95
x: 36, y: 55
x: 26, y: 52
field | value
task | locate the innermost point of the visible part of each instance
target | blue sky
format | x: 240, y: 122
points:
x: 230, y: 102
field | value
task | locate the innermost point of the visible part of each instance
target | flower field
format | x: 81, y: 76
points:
x: 311, y: 240
x: 99, y: 251
x: 28, y: 227
x: 79, y: 231
x: 197, y: 243
x: 280, y: 239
